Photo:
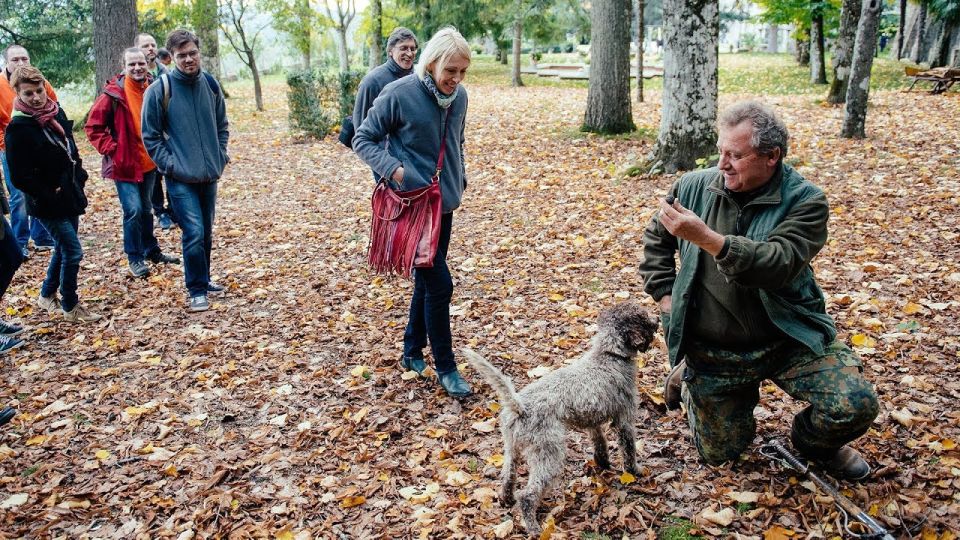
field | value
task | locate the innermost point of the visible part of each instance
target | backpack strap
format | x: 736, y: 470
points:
x: 212, y: 83
x: 165, y: 82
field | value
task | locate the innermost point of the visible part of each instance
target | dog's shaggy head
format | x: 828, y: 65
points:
x: 629, y: 322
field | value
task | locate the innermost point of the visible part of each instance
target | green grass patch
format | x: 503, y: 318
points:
x: 29, y: 471
x: 677, y: 529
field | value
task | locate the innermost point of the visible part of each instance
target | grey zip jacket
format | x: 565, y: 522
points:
x: 188, y: 140
x: 407, y: 113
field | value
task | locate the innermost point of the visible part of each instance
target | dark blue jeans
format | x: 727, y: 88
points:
x: 430, y: 307
x: 10, y: 256
x: 138, y: 239
x: 24, y: 227
x: 65, y: 262
x: 195, y: 207
x: 157, y: 200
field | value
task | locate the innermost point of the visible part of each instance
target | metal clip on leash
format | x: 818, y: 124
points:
x: 775, y: 450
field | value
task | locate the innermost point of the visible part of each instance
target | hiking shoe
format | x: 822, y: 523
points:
x: 7, y: 415
x: 139, y: 269
x: 454, y: 384
x: 162, y: 258
x: 25, y: 253
x: 215, y: 289
x: 10, y: 329
x: 80, y: 314
x: 413, y: 364
x: 198, y: 303
x: 846, y: 464
x: 49, y: 303
x: 165, y: 222
x: 9, y: 343
x: 42, y: 247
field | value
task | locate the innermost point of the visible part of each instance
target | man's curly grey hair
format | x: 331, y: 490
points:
x: 398, y: 35
x: 769, y: 131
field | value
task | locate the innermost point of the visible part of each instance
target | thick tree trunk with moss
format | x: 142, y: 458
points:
x: 843, y: 50
x: 114, y: 29
x: 855, y: 113
x: 609, y: 107
x: 918, y: 47
x: 689, y: 113
x: 818, y: 68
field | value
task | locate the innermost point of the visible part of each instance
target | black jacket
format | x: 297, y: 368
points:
x: 51, y: 176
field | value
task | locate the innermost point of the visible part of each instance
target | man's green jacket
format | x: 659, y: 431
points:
x: 788, y: 227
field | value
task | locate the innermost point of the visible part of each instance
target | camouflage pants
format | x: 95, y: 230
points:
x: 722, y: 388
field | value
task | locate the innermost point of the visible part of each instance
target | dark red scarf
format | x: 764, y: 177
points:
x: 45, y: 116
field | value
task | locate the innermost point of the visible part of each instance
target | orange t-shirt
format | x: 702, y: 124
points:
x: 134, y: 93
x: 7, y: 95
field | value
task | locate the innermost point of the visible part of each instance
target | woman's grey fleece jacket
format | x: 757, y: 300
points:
x: 408, y: 114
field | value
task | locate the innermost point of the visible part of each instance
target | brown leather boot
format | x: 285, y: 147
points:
x: 846, y: 464
x: 672, y: 386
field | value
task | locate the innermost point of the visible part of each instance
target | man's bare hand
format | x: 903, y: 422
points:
x: 666, y: 304
x: 684, y: 224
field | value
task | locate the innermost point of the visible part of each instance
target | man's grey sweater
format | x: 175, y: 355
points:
x: 371, y: 86
x: 188, y: 140
x: 409, y: 114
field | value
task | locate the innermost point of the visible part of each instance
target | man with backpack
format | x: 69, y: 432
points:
x: 184, y: 128
x: 113, y: 128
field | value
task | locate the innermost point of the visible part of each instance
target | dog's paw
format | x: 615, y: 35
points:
x: 507, y: 499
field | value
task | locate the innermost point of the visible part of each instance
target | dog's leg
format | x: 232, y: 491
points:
x: 508, y: 476
x: 600, y: 453
x: 546, y: 464
x: 628, y: 442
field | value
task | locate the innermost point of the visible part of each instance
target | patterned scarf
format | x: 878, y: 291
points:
x: 443, y: 100
x: 45, y: 116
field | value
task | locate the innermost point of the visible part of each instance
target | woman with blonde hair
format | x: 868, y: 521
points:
x: 421, y: 115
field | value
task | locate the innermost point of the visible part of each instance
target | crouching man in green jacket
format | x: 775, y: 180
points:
x: 744, y: 305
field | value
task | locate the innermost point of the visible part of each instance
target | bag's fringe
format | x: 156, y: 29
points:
x: 394, y: 242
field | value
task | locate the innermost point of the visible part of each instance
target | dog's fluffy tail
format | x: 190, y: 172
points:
x: 496, y: 378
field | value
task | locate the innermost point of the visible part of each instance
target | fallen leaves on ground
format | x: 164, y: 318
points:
x: 283, y: 412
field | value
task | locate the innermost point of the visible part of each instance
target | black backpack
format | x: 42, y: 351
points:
x: 347, y: 131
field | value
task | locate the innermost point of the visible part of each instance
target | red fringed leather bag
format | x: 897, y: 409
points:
x: 405, y: 227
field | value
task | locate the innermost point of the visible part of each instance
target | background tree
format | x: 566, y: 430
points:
x: 689, y: 113
x: 376, y: 33
x: 903, y: 26
x: 640, y: 31
x: 818, y: 70
x: 297, y: 20
x: 58, y: 34
x: 346, y: 11
x: 206, y: 21
x: 235, y: 21
x: 114, y: 29
x: 916, y: 53
x: 843, y: 50
x: 608, y: 98
x: 855, y: 112
x: 948, y: 13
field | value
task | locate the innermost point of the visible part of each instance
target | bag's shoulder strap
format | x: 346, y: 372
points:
x: 443, y: 144
x: 165, y: 81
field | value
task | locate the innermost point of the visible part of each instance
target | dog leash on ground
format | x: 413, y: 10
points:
x: 775, y: 450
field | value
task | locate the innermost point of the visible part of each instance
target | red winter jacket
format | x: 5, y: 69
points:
x: 111, y: 131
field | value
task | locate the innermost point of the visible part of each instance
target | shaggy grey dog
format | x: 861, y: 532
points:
x: 599, y: 387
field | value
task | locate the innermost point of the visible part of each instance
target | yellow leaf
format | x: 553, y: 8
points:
x: 948, y: 444
x: 146, y: 449
x: 549, y: 526
x: 171, y: 470
x: 861, y: 340
x: 350, y: 502
x: 152, y: 360
x: 102, y: 455
x: 579, y: 241
x: 409, y: 375
x: 911, y: 308
x: 928, y: 534
x: 359, y: 371
x: 285, y: 534
x: 555, y: 297
x: 436, y: 433
x: 135, y: 411
x: 358, y: 416
x: 496, y: 460
x: 34, y: 441
x: 777, y: 533
x: 627, y: 478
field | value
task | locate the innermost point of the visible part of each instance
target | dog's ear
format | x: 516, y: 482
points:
x: 632, y: 323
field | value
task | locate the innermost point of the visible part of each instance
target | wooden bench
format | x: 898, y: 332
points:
x: 942, y: 78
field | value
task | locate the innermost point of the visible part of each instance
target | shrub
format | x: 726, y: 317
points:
x: 318, y: 100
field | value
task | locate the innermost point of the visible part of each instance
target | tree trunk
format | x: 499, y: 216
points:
x: 257, y: 88
x: 939, y: 53
x: 803, y: 52
x: 608, y: 98
x: 342, y: 49
x: 640, y: 29
x: 515, y: 79
x: 306, y: 59
x: 207, y: 22
x: 376, y: 34
x: 843, y: 50
x: 902, y: 28
x: 689, y: 113
x: 917, y: 53
x: 855, y: 113
x: 818, y: 68
x: 114, y: 29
